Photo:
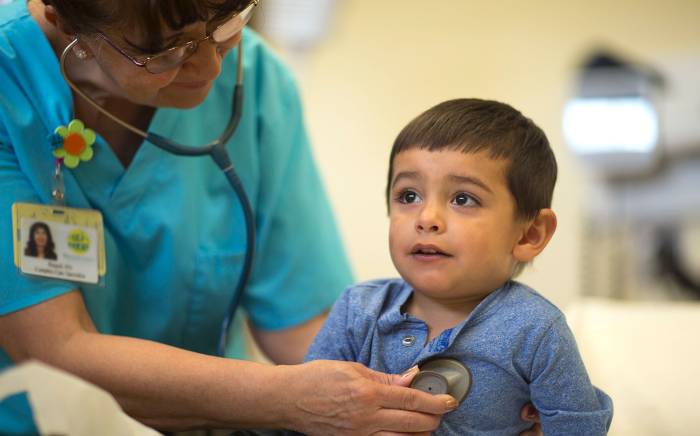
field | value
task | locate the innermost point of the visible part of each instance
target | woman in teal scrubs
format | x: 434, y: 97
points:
x: 174, y: 232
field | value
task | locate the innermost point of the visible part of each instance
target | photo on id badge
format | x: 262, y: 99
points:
x: 58, y: 250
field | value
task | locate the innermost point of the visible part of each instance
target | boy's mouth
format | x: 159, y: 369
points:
x: 428, y: 251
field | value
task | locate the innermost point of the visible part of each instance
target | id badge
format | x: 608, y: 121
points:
x: 59, y: 242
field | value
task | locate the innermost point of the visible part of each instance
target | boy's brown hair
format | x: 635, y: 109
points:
x: 474, y: 125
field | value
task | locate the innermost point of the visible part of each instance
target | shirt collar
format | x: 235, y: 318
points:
x: 400, y: 291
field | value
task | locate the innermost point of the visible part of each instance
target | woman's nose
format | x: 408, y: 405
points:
x: 206, y: 61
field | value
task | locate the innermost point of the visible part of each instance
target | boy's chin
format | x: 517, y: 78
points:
x: 433, y: 289
x: 438, y: 290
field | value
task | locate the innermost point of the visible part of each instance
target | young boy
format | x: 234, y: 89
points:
x: 469, y: 195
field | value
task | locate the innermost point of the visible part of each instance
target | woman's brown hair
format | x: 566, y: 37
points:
x: 146, y: 18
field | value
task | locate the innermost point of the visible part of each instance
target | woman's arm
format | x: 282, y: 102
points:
x: 288, y: 346
x: 169, y: 388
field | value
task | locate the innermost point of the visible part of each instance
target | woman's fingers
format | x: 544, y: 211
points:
x: 530, y: 414
x: 342, y: 398
x: 404, y: 379
x: 397, y: 397
x: 390, y: 433
x: 402, y: 421
x: 536, y: 430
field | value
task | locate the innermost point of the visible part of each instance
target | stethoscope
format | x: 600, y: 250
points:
x: 217, y: 150
x: 443, y: 376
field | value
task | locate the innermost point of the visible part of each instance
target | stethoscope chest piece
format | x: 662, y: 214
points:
x: 443, y: 376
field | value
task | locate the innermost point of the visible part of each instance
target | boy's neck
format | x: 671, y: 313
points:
x: 439, y: 315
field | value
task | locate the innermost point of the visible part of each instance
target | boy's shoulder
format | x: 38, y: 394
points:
x: 530, y: 297
x: 517, y: 300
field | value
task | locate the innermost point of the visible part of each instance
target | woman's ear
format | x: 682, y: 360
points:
x: 52, y: 17
x: 536, y: 235
x: 65, y: 31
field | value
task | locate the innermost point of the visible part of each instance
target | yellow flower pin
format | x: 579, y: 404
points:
x: 77, y: 143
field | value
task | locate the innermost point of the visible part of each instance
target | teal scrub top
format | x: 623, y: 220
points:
x: 174, y: 229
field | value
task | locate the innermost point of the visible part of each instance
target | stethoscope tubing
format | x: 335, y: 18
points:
x: 217, y: 151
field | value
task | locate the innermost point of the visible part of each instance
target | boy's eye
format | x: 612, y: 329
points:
x: 463, y: 199
x: 408, y: 197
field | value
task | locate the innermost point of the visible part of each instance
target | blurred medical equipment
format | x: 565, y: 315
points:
x: 637, y: 130
x: 443, y: 376
x: 612, y: 122
x: 216, y: 148
x: 295, y: 25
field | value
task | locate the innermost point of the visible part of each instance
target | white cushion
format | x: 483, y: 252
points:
x: 646, y: 356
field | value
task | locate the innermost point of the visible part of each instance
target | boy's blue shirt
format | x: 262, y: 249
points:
x: 516, y: 344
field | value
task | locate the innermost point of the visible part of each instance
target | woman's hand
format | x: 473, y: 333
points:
x: 343, y: 398
x: 530, y: 414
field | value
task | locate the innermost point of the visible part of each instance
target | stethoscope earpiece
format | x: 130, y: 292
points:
x: 443, y: 376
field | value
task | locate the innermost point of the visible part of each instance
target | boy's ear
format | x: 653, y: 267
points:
x: 536, y: 235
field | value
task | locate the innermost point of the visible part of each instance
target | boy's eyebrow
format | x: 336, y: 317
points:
x: 414, y: 175
x: 410, y: 175
x: 471, y: 180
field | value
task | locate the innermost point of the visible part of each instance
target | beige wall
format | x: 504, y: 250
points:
x: 387, y: 60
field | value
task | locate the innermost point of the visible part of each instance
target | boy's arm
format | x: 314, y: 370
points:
x: 561, y: 390
x: 335, y: 340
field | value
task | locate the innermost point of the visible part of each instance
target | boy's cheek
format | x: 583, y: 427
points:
x: 397, y: 231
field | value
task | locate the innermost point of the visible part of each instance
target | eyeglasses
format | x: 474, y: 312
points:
x: 176, y: 56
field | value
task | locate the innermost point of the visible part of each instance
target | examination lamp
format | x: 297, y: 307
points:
x: 611, y: 123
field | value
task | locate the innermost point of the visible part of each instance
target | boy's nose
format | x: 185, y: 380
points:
x: 430, y: 220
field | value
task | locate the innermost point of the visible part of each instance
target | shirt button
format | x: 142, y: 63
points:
x: 408, y: 340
